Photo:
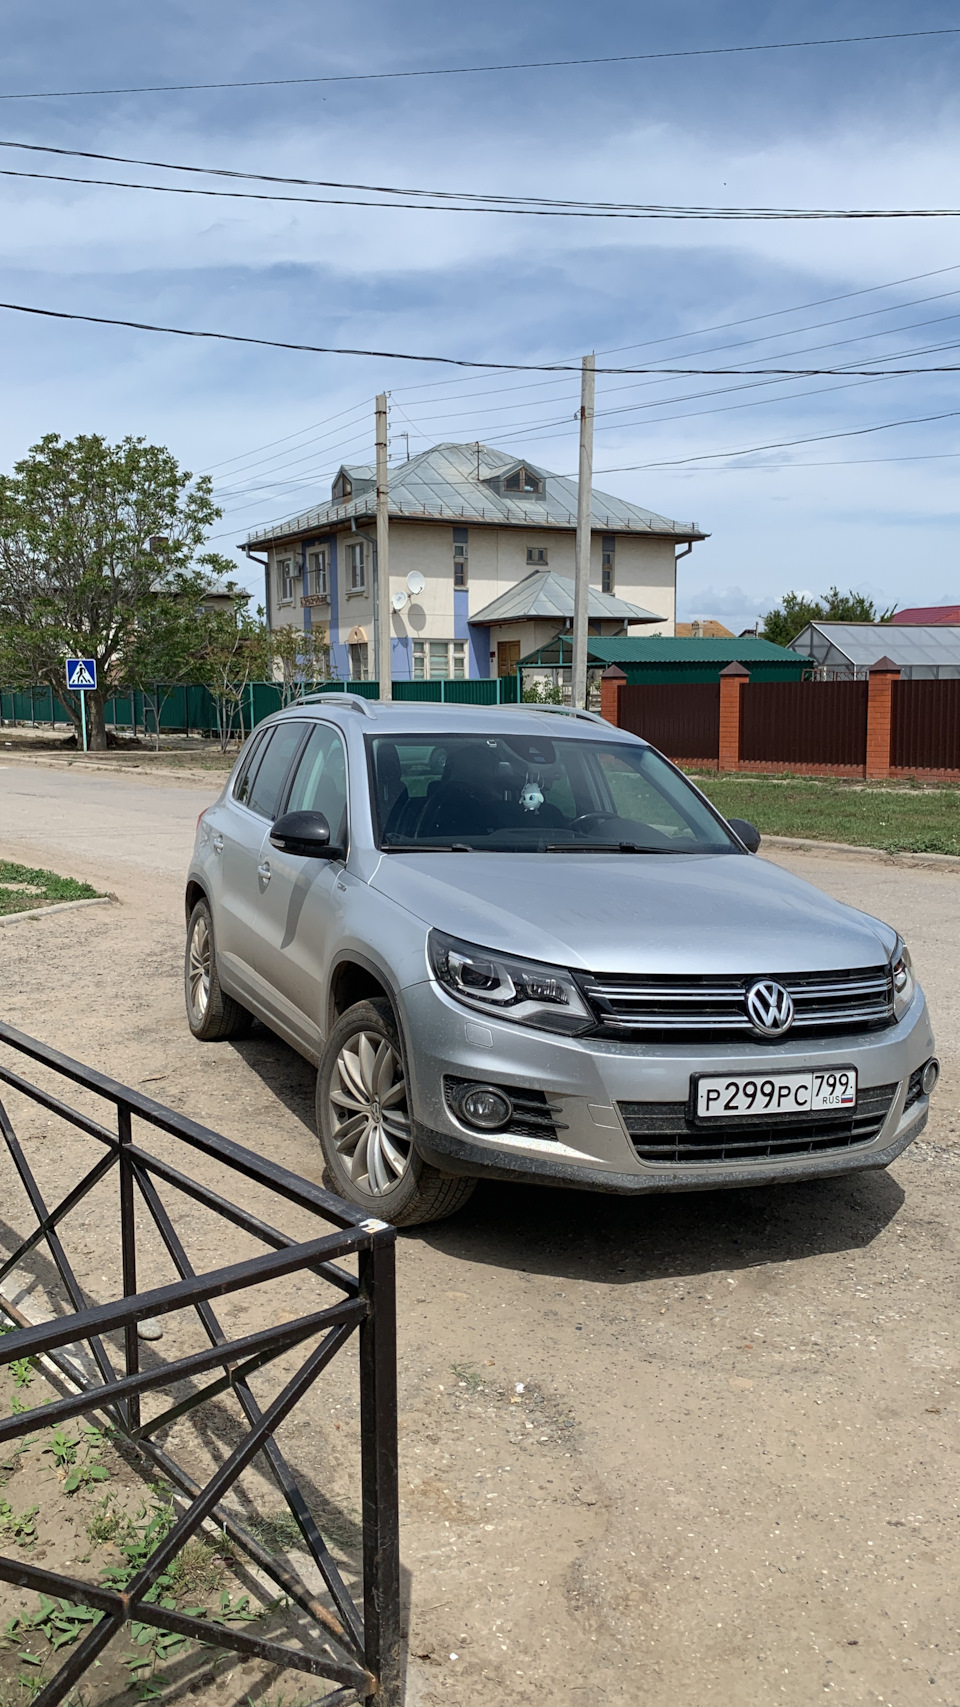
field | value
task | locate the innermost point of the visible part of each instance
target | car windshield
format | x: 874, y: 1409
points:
x: 528, y: 794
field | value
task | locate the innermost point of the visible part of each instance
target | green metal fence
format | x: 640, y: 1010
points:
x: 192, y: 709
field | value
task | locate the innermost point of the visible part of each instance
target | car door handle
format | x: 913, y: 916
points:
x: 263, y: 871
x: 216, y: 841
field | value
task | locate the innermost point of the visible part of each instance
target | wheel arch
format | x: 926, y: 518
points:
x: 194, y: 892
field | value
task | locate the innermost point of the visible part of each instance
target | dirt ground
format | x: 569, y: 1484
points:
x: 700, y: 1448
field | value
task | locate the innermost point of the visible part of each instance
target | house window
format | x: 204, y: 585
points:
x: 285, y: 580
x: 537, y: 554
x: 342, y: 488
x: 317, y: 574
x: 356, y: 568
x: 358, y: 661
x: 521, y: 480
x: 439, y: 660
x: 608, y: 564
x: 459, y: 557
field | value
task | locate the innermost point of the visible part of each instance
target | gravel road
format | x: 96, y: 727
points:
x: 695, y: 1449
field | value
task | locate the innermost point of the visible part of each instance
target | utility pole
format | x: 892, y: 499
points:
x: 581, y: 593
x: 384, y: 664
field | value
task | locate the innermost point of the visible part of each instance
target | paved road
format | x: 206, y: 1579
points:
x: 104, y: 821
x: 730, y: 1477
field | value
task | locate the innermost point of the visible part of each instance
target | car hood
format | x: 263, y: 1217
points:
x: 681, y: 913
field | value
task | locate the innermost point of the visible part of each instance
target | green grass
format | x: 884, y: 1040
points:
x: 24, y: 886
x: 894, y: 818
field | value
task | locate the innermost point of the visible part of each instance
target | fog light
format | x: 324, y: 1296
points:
x: 929, y: 1076
x: 485, y: 1107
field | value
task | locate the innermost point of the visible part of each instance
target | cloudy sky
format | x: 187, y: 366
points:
x: 868, y: 125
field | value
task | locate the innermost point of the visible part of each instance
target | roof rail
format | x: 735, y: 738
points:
x: 356, y: 701
x: 568, y: 711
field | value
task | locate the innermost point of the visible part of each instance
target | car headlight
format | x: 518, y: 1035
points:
x: 511, y: 988
x: 904, y: 983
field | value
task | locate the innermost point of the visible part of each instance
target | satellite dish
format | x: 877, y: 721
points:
x: 399, y: 600
x: 415, y: 582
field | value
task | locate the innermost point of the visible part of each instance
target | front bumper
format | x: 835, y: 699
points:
x: 587, y: 1079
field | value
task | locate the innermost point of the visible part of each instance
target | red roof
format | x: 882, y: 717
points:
x: 930, y: 614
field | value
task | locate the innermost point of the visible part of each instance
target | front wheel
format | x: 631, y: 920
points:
x: 365, y: 1127
x: 212, y: 1015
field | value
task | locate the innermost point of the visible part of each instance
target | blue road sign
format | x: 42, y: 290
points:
x: 81, y: 673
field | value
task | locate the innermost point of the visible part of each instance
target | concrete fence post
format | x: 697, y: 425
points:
x: 611, y: 682
x: 732, y: 682
x: 882, y: 676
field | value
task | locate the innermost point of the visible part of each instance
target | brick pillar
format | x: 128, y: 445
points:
x: 611, y: 682
x: 883, y: 674
x: 732, y: 680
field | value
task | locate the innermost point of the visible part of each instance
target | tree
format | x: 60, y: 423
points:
x: 170, y: 635
x: 91, y: 534
x: 298, y: 657
x: 235, y: 652
x: 795, y: 610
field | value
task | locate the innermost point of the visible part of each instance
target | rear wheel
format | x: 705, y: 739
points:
x: 365, y: 1127
x: 212, y: 1015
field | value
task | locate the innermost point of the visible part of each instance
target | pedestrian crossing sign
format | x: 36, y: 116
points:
x: 81, y: 673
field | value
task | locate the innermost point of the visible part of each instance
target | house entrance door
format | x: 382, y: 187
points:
x: 508, y: 657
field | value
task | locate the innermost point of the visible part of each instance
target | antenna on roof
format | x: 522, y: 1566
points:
x: 477, y: 449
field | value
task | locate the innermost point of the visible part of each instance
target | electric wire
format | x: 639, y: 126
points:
x: 654, y: 211
x: 446, y: 361
x: 474, y: 70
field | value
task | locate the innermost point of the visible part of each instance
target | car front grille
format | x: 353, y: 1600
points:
x: 533, y: 1115
x: 662, y: 1133
x: 674, y: 1009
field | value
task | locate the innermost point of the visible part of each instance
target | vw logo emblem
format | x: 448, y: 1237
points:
x: 770, y: 1008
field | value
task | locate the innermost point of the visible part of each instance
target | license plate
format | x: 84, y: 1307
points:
x: 738, y: 1096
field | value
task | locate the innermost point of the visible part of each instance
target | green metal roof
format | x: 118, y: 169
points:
x: 658, y: 649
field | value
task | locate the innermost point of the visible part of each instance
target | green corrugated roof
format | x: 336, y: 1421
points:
x: 658, y: 649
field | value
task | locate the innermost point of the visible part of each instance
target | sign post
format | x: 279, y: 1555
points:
x: 81, y: 678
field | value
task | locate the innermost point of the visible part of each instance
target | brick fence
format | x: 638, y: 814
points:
x: 873, y: 729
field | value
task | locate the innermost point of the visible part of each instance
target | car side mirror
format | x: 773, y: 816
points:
x: 748, y: 833
x: 306, y: 833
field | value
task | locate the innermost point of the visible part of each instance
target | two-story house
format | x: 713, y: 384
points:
x: 482, y: 558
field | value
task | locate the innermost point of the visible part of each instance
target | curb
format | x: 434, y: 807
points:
x: 58, y: 907
x: 96, y: 766
x: 942, y: 862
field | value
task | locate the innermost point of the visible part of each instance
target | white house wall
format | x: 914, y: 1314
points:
x: 644, y: 574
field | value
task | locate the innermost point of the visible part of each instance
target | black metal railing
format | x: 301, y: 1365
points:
x: 96, y: 1350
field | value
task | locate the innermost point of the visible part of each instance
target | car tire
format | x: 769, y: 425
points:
x: 212, y: 1015
x: 365, y: 1129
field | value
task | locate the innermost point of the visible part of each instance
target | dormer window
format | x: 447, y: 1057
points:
x: 342, y: 487
x: 522, y: 480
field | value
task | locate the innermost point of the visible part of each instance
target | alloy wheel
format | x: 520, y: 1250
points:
x: 198, y: 967
x: 368, y: 1104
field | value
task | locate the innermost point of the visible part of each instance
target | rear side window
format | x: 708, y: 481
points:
x: 320, y: 783
x: 266, y: 787
x: 248, y: 765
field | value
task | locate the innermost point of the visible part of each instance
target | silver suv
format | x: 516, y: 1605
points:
x: 522, y: 945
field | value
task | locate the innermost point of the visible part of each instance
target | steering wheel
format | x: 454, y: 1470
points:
x: 587, y: 820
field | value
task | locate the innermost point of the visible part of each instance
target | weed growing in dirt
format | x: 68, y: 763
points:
x: 467, y: 1376
x: 76, y: 1472
x: 18, y: 1526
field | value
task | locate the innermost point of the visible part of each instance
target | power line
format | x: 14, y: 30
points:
x: 475, y: 70
x: 782, y: 444
x: 653, y: 210
x: 463, y: 361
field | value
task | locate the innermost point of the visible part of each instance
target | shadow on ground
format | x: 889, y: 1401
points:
x: 594, y: 1236
x: 589, y: 1236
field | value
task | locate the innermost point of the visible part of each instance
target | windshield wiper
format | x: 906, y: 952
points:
x: 426, y: 847
x: 605, y: 847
